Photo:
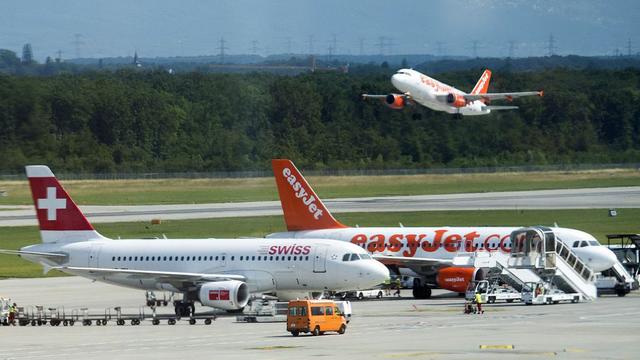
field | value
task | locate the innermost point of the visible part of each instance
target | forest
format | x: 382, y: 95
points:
x: 133, y: 120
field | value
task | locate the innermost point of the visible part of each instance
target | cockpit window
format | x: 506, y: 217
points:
x: 594, y: 243
x: 346, y: 257
x: 576, y: 243
x: 583, y: 244
x: 404, y: 73
x: 354, y: 257
x: 365, y: 256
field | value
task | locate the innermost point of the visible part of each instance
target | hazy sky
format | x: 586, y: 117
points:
x: 192, y: 27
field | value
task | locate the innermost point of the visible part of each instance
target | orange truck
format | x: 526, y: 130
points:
x: 315, y: 317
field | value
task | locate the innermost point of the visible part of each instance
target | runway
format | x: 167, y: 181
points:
x: 388, y: 328
x: 592, y: 198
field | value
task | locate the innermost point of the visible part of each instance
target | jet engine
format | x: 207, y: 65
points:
x: 225, y: 295
x: 456, y: 100
x: 395, y: 101
x: 457, y: 279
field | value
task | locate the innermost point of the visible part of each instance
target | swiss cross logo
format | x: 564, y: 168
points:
x: 52, y: 204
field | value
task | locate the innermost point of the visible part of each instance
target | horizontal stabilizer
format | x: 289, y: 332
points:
x: 33, y: 253
x: 496, y: 107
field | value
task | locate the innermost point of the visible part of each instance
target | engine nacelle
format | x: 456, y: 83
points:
x: 456, y: 100
x: 458, y: 278
x: 395, y: 101
x: 225, y: 295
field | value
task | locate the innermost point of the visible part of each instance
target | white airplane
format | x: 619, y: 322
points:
x: 427, y: 251
x: 219, y: 273
x: 429, y: 92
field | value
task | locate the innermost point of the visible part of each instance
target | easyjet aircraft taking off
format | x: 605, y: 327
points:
x: 220, y: 273
x: 428, y: 251
x: 429, y: 92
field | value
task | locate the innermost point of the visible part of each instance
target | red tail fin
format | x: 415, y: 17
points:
x: 303, y: 209
x: 58, y: 216
x: 482, y: 86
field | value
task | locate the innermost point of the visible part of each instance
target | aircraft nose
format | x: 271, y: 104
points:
x: 601, y: 259
x: 396, y: 79
x: 379, y: 273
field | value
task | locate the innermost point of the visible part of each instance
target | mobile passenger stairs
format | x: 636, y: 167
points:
x: 562, y: 275
x: 623, y: 276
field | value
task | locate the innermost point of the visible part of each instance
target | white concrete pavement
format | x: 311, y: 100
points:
x: 590, y: 198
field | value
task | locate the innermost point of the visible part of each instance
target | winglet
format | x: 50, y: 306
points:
x: 303, y: 209
x: 59, y: 217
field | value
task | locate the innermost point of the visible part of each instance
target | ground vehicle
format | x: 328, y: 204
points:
x: 361, y: 294
x: 315, y: 316
x: 537, y: 294
x: 491, y: 292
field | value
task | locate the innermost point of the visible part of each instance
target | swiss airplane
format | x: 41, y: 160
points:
x: 429, y: 92
x: 219, y: 273
x: 428, y: 251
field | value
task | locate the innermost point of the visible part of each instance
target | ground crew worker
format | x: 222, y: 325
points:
x: 13, y: 309
x: 398, y: 285
x: 478, y: 299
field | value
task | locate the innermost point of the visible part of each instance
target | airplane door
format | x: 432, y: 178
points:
x: 94, y: 256
x: 320, y: 259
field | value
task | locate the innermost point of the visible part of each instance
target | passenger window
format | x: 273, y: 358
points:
x: 164, y: 258
x: 199, y: 258
x: 277, y: 258
x: 316, y: 310
x: 130, y: 258
x: 346, y: 257
x: 253, y: 258
x: 240, y: 258
x: 289, y: 258
x: 223, y: 258
x: 354, y: 257
x: 295, y: 258
x: 306, y: 258
x: 153, y: 258
x: 181, y: 258
x: 113, y: 258
x: 216, y: 258
x: 118, y: 258
x: 270, y: 258
x: 259, y: 258
x: 232, y: 258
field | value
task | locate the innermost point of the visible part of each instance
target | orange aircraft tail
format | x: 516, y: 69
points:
x: 303, y: 209
x: 482, y: 86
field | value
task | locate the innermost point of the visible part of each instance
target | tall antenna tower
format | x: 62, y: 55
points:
x: 389, y: 46
x: 474, y: 48
x: 381, y: 45
x: 551, y: 47
x: 221, y: 50
x: 629, y: 47
x: 334, y: 43
x: 512, y: 49
x: 77, y: 43
x: 361, y: 43
x: 310, y: 45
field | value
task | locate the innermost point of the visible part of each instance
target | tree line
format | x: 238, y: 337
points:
x: 135, y: 121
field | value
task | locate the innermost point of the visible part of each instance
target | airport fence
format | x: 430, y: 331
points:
x: 331, y: 172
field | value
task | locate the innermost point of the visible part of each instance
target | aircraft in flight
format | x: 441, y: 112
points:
x: 219, y: 273
x: 428, y: 251
x: 418, y: 88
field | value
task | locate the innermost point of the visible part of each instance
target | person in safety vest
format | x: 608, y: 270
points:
x: 478, y: 299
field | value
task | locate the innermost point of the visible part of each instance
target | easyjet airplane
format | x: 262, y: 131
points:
x: 220, y: 273
x: 428, y: 251
x: 429, y: 92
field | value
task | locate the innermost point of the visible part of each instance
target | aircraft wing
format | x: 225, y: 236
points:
x: 411, y: 261
x: 181, y: 279
x: 501, y: 96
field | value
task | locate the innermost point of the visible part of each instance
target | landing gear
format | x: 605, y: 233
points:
x: 184, y: 309
x: 420, y: 290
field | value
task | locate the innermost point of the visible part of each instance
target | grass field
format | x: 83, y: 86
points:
x: 595, y: 222
x: 177, y: 191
